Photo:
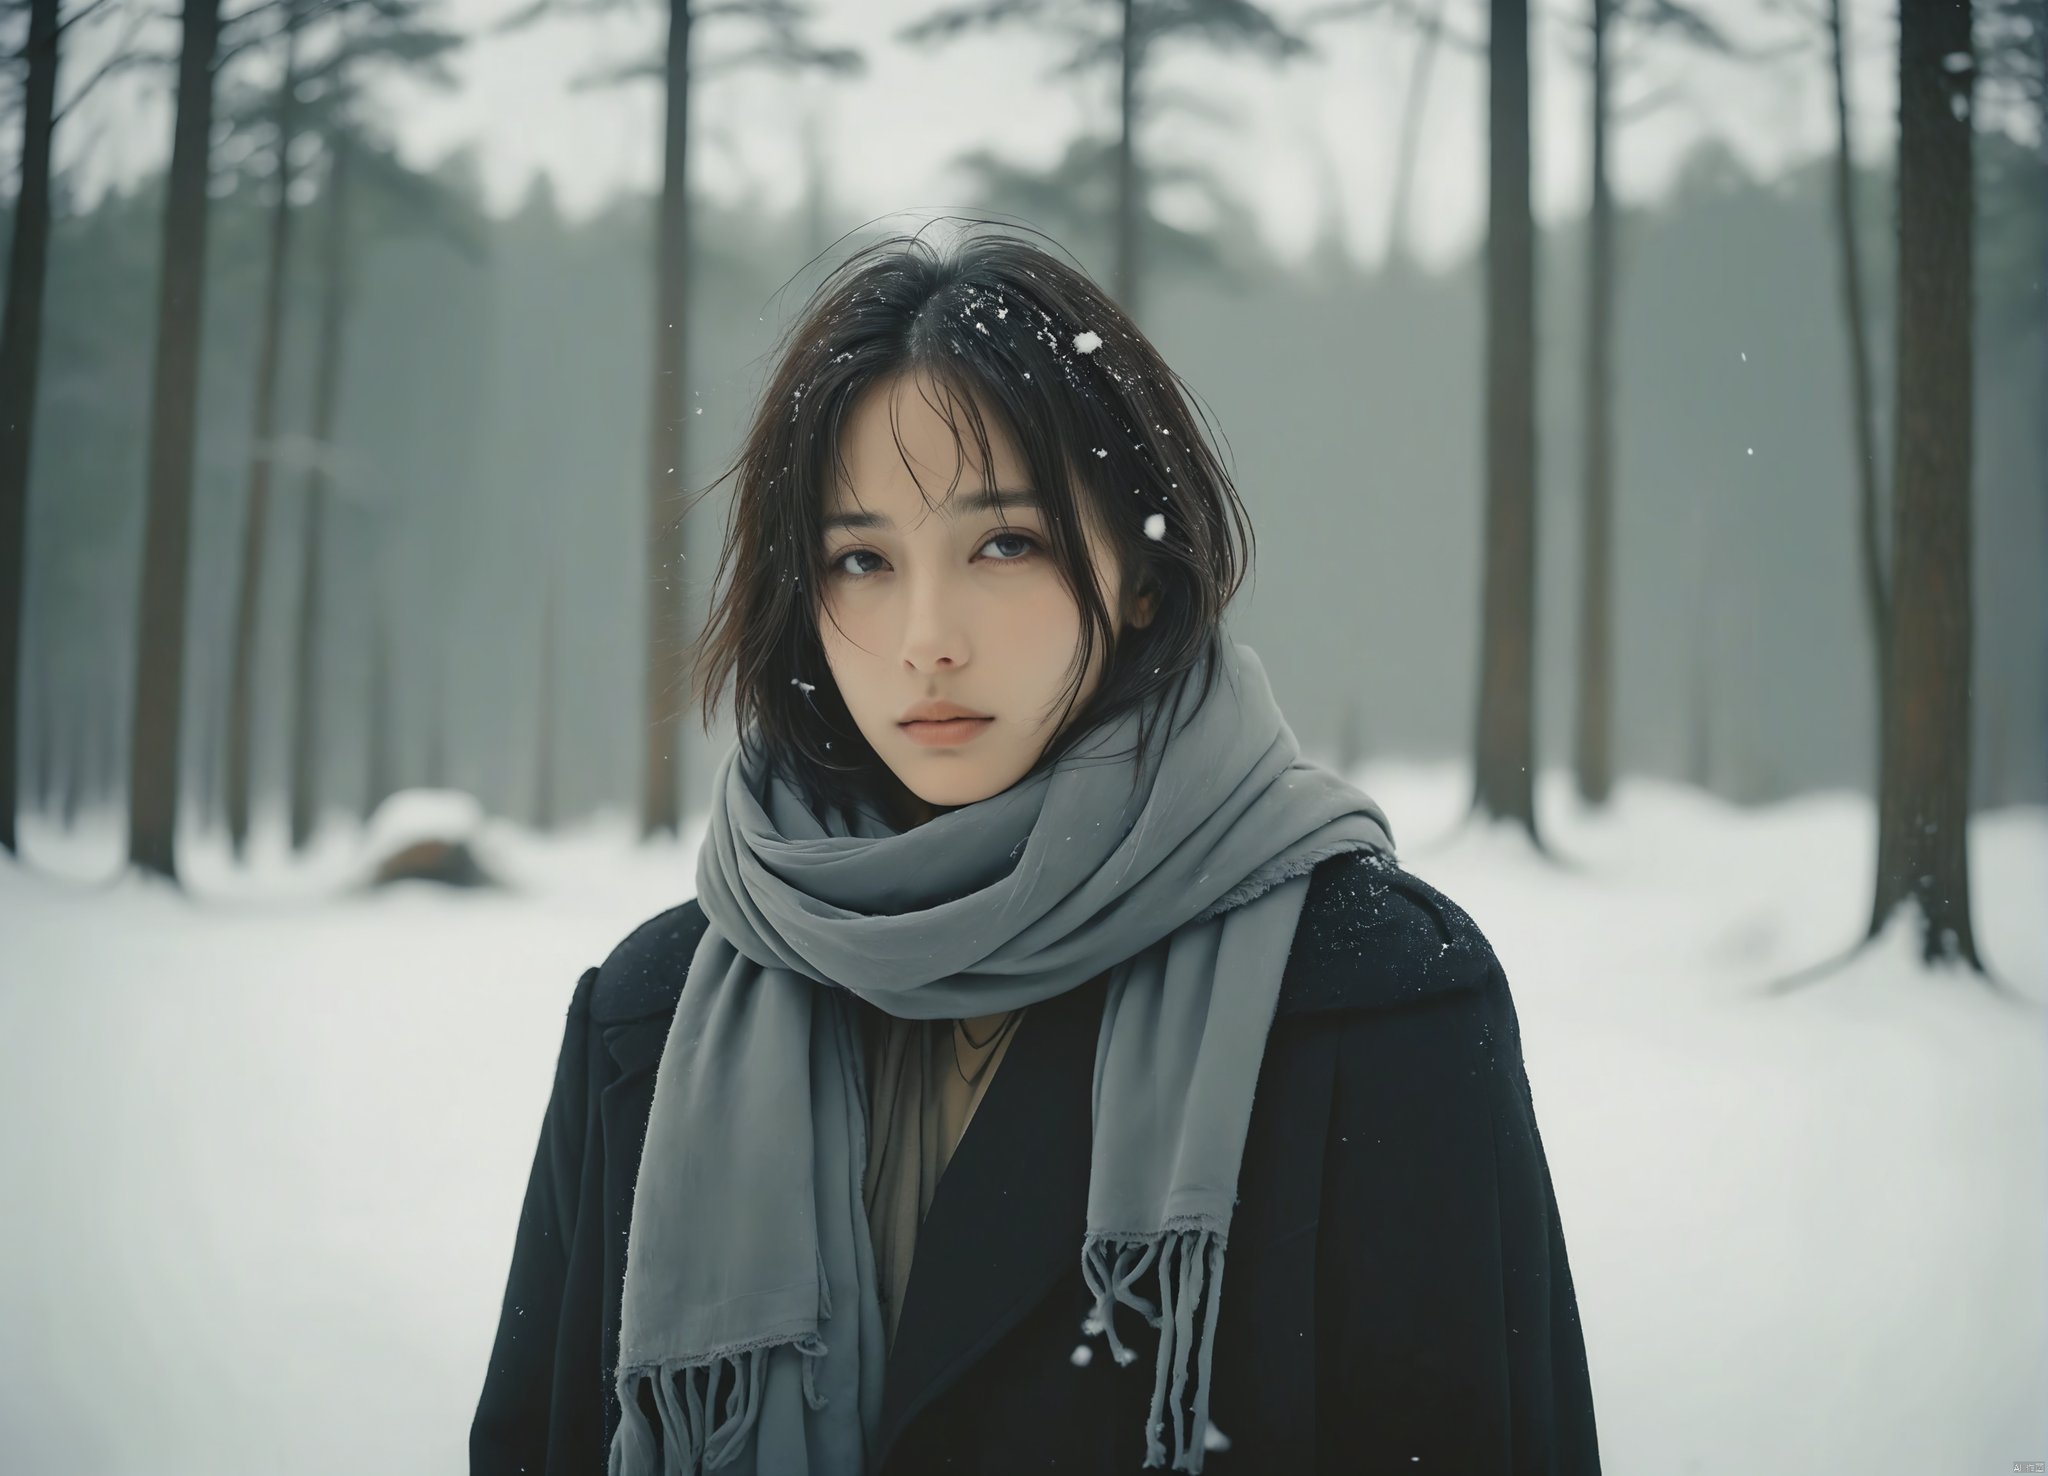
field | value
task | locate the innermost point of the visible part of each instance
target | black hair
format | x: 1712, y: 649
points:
x: 1104, y: 428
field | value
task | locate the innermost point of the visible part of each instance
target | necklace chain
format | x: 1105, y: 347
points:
x: 960, y: 1033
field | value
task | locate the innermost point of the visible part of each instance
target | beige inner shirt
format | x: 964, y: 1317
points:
x: 925, y: 1078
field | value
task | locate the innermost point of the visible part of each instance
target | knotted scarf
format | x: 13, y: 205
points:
x: 750, y: 1310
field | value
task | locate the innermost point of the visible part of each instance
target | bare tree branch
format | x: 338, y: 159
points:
x: 123, y: 59
x: 1420, y: 16
x: 1347, y: 10
x: 784, y: 47
x: 776, y: 12
x: 618, y: 74
x: 778, y: 53
x: 1675, y: 18
x: 1653, y: 101
x: 416, y: 49
x: 944, y: 25
x: 1813, y: 15
x: 541, y: 10
x: 81, y: 15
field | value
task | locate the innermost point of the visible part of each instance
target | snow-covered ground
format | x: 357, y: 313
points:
x: 265, y: 1144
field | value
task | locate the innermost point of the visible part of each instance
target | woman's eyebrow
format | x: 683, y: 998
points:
x: 1009, y: 499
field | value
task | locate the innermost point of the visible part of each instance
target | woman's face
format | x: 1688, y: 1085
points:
x: 944, y: 603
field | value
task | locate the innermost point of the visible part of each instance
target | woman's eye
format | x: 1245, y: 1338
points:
x: 1022, y: 546
x: 1030, y: 546
x: 838, y: 565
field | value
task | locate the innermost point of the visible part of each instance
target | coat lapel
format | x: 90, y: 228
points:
x: 1006, y: 1220
x: 624, y: 1102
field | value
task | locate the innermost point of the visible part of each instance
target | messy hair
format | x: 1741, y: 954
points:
x: 1104, y: 428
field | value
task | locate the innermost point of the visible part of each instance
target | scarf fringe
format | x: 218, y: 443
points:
x: 697, y: 1434
x: 1190, y: 1272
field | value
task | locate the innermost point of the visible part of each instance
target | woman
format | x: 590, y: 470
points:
x: 1033, y: 981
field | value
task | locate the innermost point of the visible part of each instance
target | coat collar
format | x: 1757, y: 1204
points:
x: 1008, y: 1215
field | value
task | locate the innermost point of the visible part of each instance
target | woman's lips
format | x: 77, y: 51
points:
x: 945, y: 734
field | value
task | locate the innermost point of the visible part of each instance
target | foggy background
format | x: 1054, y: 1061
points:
x: 491, y: 426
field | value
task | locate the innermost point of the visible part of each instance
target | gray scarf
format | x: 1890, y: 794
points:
x: 750, y: 1303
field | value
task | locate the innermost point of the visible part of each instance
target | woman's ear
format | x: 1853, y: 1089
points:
x: 1144, y: 606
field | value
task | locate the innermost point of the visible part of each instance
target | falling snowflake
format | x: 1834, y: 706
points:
x: 1082, y: 1356
x: 1155, y: 526
x: 1087, y: 342
x: 1099, y: 451
x: 802, y: 685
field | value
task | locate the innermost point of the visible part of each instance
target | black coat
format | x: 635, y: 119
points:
x: 1397, y: 1296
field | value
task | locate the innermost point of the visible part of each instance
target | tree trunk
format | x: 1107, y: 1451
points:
x: 1350, y: 736
x: 1593, y: 753
x: 1924, y: 763
x: 209, y: 735
x: 380, y: 780
x: 43, y: 786
x: 1427, y: 46
x: 173, y: 424
x: 1129, y: 206
x: 660, y: 808
x: 20, y: 355
x: 248, y: 597
x: 105, y: 737
x: 306, y: 745
x: 817, y: 204
x: 1699, y: 724
x: 1697, y: 633
x: 1863, y: 415
x: 545, y: 800
x: 72, y: 790
x: 437, y: 717
x: 1503, y: 786
x: 2040, y: 30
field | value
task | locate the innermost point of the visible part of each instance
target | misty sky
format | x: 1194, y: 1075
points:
x: 890, y: 135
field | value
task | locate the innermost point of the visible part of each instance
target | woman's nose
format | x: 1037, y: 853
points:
x: 934, y: 624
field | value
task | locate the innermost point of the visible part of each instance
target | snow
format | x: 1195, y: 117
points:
x: 269, y: 1140
x: 1155, y: 526
x: 420, y: 815
x: 1087, y: 341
